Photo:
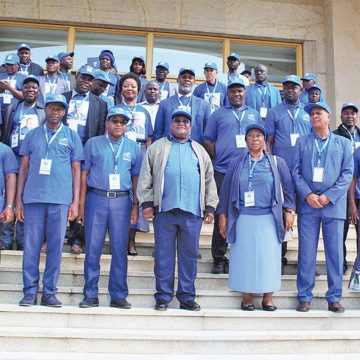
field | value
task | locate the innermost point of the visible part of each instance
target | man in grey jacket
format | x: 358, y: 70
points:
x: 176, y: 187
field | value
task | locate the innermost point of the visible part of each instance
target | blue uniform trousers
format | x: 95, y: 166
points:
x: 176, y: 229
x: 43, y: 219
x: 309, y: 229
x: 102, y: 214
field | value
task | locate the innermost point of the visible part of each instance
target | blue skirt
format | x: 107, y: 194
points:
x: 255, y: 257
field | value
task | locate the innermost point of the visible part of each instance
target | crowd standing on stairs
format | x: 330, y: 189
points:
x: 104, y: 153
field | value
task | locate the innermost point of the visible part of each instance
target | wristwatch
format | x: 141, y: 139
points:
x: 290, y: 211
x: 10, y: 207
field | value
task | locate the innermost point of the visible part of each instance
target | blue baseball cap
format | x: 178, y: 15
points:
x: 292, y: 78
x: 12, y: 59
x: 210, y: 65
x: 255, y: 126
x: 177, y: 112
x: 163, y: 64
x: 116, y: 110
x: 141, y: 58
x: 314, y: 87
x: 350, y: 106
x: 60, y: 55
x: 24, y: 46
x: 31, y: 78
x: 234, y: 55
x: 103, y: 76
x: 320, y: 104
x: 186, y: 69
x: 308, y: 77
x: 236, y: 81
x: 86, y: 70
x: 52, y: 57
x: 56, y: 98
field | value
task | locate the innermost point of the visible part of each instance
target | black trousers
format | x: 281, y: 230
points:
x: 77, y: 233
x: 218, y: 243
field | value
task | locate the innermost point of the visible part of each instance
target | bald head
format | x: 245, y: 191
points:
x: 261, y: 73
x: 152, y: 92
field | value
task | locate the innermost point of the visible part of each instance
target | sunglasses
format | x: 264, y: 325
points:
x: 118, y: 122
x: 179, y: 121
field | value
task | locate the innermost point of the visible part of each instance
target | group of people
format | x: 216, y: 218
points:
x: 108, y: 153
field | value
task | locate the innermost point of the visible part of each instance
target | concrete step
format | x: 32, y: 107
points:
x: 208, y: 299
x: 146, y: 280
x: 175, y: 319
x: 172, y: 341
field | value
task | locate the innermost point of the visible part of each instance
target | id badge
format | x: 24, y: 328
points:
x: 240, y: 141
x: 263, y: 112
x: 164, y: 94
x: 114, y: 181
x: 45, y: 167
x: 318, y: 174
x: 293, y: 138
x: 50, y: 88
x: 14, y: 140
x: 131, y: 135
x: 357, y: 144
x: 7, y: 98
x: 249, y: 197
x: 73, y: 125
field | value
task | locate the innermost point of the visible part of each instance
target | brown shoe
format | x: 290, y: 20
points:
x: 76, y: 249
x: 336, y: 307
x: 303, y: 307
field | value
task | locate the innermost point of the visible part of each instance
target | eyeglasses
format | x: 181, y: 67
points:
x: 179, y: 121
x: 118, y: 122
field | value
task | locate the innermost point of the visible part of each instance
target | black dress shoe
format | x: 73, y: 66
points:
x: 161, y: 305
x: 247, y: 307
x: 303, y: 306
x: 336, y: 307
x: 190, y: 305
x: 88, y: 303
x: 268, y: 307
x: 217, y: 269
x: 120, y: 304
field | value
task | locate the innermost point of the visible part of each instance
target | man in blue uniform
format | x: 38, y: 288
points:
x: 27, y: 67
x: 349, y: 130
x: 11, y: 82
x: 225, y: 132
x: 211, y: 90
x: 233, y: 64
x: 86, y: 115
x: 66, y: 64
x: 176, y: 185
x: 110, y: 172
x: 47, y: 197
x: 52, y: 82
x: 161, y: 72
x: 99, y: 85
x: 322, y: 172
x: 284, y: 124
x: 18, y: 120
x: 184, y: 100
x: 262, y: 96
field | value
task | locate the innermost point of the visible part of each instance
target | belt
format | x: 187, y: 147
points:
x: 109, y: 194
x: 318, y: 193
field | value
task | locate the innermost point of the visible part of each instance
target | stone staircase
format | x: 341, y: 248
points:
x: 219, y: 331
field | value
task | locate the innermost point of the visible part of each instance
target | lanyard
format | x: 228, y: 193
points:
x: 252, y: 164
x: 185, y: 106
x: 263, y: 94
x: 9, y: 78
x: 352, y: 136
x: 24, y: 111
x: 77, y: 103
x: 52, y: 138
x: 320, y: 150
x: 116, y: 156
x: 132, y: 112
x: 24, y: 67
x: 208, y: 90
x: 239, y: 120
x: 294, y: 117
x: 64, y: 76
x: 51, y: 80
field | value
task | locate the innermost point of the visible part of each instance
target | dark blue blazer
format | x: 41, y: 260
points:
x: 338, y: 174
x: 230, y: 194
x: 200, y: 111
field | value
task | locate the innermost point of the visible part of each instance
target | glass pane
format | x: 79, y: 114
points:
x: 124, y: 47
x: 279, y: 60
x: 185, y: 52
x: 43, y: 42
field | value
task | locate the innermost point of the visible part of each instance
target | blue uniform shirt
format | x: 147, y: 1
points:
x: 8, y: 165
x: 222, y: 128
x: 66, y: 148
x: 100, y: 162
x: 208, y: 89
x: 262, y: 183
x: 319, y: 156
x: 16, y: 80
x: 182, y: 179
x: 357, y: 172
x: 304, y: 97
x: 262, y: 95
x: 280, y: 124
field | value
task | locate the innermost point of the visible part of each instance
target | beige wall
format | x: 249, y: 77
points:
x: 328, y: 28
